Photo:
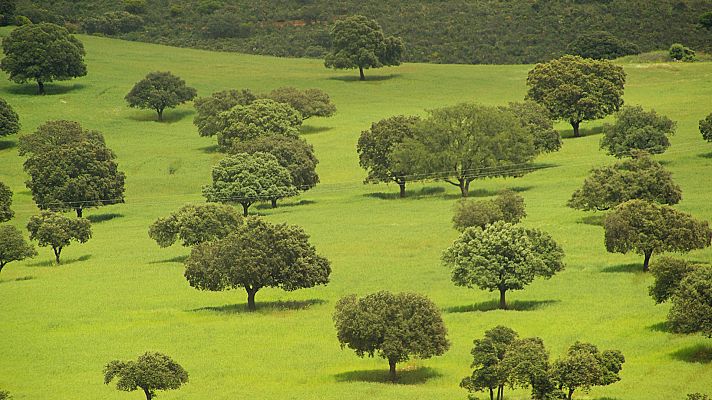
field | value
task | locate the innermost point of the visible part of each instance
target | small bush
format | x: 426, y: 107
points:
x: 507, y: 207
x: 679, y: 52
x: 113, y: 23
x: 601, y: 46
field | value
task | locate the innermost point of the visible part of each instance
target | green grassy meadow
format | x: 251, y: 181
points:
x: 120, y: 295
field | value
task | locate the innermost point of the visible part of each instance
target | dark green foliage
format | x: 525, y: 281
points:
x: 576, y: 89
x: 158, y: 91
x: 194, y: 224
x: 42, y: 53
x: 259, y: 118
x: 644, y: 228
x: 359, y: 42
x: 13, y: 246
x: 679, y: 52
x: 6, y: 212
x: 706, y: 128
x: 209, y: 108
x: 601, y: 45
x: 57, y: 231
x: 5, y: 395
x: 294, y: 154
x: 246, y: 178
x: 226, y: 23
x: 691, y: 310
x: 375, y: 150
x: 668, y: 273
x: 7, y: 14
x: 309, y: 102
x: 257, y: 255
x: 640, y: 177
x: 441, y: 146
x: 699, y: 396
x: 706, y: 20
x: 70, y: 168
x: 502, y: 257
x: 584, y: 366
x: 637, y: 130
x: 135, y: 6
x: 393, y: 326
x: 151, y: 372
x: 488, y: 370
x: 9, y: 120
x: 535, y: 118
x: 508, y: 206
x: 112, y: 23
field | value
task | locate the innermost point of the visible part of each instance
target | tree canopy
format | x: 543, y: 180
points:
x: 535, y: 118
x: 209, y: 108
x: 637, y: 130
x: 57, y: 231
x: 42, y: 53
x: 70, y: 168
x: 294, y: 154
x: 577, y: 89
x: 393, y: 326
x: 706, y: 128
x: 640, y: 177
x: 13, y: 246
x: 584, y: 366
x: 158, y: 91
x: 644, y: 228
x: 9, y: 120
x: 150, y: 372
x: 691, y: 310
x: 6, y: 212
x: 668, y: 273
x: 488, y: 369
x: 502, y: 257
x: 508, y: 206
x: 601, y: 45
x: 246, y: 178
x: 194, y: 224
x: 359, y: 42
x: 259, y: 118
x: 257, y: 255
x: 376, y: 146
x: 442, y: 145
x: 309, y: 102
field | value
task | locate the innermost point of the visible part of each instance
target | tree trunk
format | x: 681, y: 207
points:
x: 464, y: 187
x: 392, y: 370
x: 160, y: 114
x: 274, y: 203
x: 401, y: 184
x: 575, y: 125
x: 148, y: 394
x: 646, y: 261
x: 2, y: 265
x: 79, y: 211
x: 245, y: 207
x: 40, y: 87
x: 571, y: 393
x: 363, y: 77
x: 502, y: 299
x: 251, y: 299
x: 500, y: 392
x: 491, y: 394
x: 57, y: 252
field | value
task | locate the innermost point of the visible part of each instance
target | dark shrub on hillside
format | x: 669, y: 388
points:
x: 223, y: 24
x: 601, y: 45
x: 113, y: 23
x: 679, y: 52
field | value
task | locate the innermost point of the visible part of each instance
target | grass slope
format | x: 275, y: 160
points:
x: 120, y: 294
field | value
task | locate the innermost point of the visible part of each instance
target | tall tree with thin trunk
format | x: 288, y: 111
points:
x: 158, y: 91
x: 393, y: 326
x: 13, y: 246
x: 584, y: 366
x: 149, y: 373
x: 502, y: 257
x: 57, y: 231
x: 488, y: 372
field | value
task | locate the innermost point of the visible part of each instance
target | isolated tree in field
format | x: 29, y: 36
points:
x: 13, y: 246
x: 508, y: 206
x: 584, y: 366
x: 57, y: 231
x: 706, y: 128
x: 257, y: 255
x: 294, y: 154
x: 246, y: 178
x: 443, y: 145
x: 42, y: 53
x: 158, y: 91
x: 680, y: 52
x: 691, y: 310
x: 668, y: 272
x: 637, y: 130
x: 209, y: 108
x: 375, y: 150
x: 488, y: 372
x: 646, y: 228
x: 151, y: 372
x: 194, y: 224
x: 359, y: 42
x: 577, y: 89
x: 640, y: 177
x: 71, y: 169
x: 393, y: 326
x: 6, y: 212
x: 259, y: 118
x: 502, y: 257
x: 535, y: 118
x: 9, y: 120
x: 309, y: 102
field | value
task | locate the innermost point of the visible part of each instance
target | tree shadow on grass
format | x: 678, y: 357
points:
x: 176, y: 259
x: 63, y: 261
x: 700, y: 353
x: 169, y: 116
x: 264, y: 307
x: 516, y: 305
x: 50, y: 89
x: 427, y: 191
x: 706, y: 155
x: 286, y: 204
x: 569, y: 132
x: 97, y: 218
x: 414, y: 376
x: 625, y: 268
x: 595, y: 219
x: 369, y: 78
x: 7, y: 144
x: 20, y: 279
x: 213, y: 148
x: 663, y: 326
x: 310, y: 130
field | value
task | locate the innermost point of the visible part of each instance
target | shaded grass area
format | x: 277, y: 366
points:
x: 410, y: 376
x: 264, y: 307
x: 516, y: 305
